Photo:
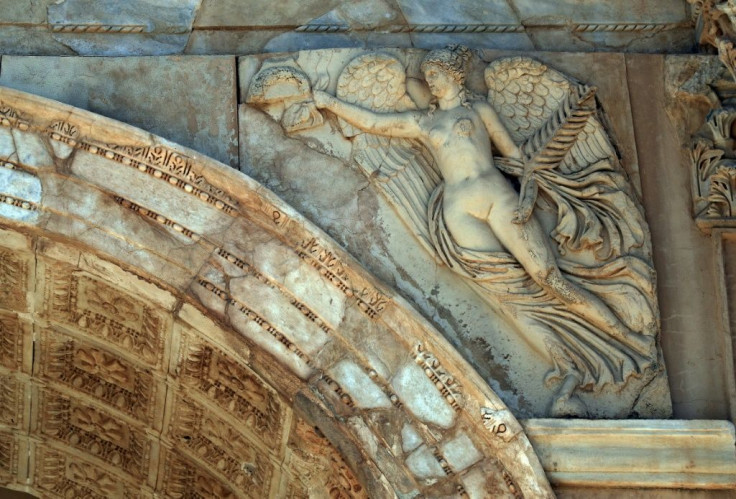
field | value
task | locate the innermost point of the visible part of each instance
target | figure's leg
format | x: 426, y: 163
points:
x: 566, y: 402
x: 531, y: 247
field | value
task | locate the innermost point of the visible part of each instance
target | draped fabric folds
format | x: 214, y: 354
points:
x: 573, y: 345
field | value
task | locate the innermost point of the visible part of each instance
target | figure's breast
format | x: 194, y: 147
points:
x: 451, y: 131
x: 463, y: 127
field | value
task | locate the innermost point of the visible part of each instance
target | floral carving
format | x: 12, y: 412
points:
x: 314, y: 456
x: 225, y: 449
x: 105, y: 312
x: 713, y: 160
x: 66, y: 475
x: 11, y: 340
x: 13, y: 280
x: 97, y: 373
x: 233, y: 387
x: 11, y: 401
x: 186, y: 480
x: 8, y: 457
x: 97, y: 432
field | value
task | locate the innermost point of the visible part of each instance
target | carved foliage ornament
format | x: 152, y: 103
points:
x: 713, y: 157
x: 427, y: 143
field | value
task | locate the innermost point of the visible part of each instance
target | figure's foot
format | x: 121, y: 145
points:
x: 568, y: 406
x: 566, y: 403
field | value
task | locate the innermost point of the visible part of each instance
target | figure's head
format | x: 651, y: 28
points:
x: 443, y: 67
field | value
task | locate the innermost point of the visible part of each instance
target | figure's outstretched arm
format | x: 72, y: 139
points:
x: 498, y: 133
x: 392, y: 125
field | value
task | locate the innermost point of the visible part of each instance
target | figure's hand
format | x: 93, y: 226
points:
x: 321, y: 99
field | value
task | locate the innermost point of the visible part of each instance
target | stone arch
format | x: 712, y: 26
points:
x: 174, y: 326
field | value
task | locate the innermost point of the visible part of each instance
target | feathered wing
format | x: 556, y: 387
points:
x: 568, y: 158
x: 403, y: 169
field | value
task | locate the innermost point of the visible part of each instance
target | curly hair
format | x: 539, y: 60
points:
x: 451, y: 59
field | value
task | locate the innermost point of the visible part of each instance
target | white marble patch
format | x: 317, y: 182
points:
x: 302, y: 279
x: 460, y: 452
x: 423, y: 464
x: 276, y: 308
x: 7, y: 145
x: 151, y: 193
x: 31, y: 150
x: 421, y: 397
x: 22, y: 186
x: 410, y: 439
x: 364, y: 392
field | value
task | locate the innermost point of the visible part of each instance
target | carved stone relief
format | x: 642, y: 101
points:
x: 712, y: 154
x: 512, y: 184
x: 187, y: 330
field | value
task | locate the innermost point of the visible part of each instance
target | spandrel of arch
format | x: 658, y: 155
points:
x: 170, y: 325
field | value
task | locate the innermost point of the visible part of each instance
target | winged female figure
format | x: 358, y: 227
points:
x: 586, y: 304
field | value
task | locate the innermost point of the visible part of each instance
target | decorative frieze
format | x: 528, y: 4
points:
x: 713, y: 157
x: 14, y: 268
x: 93, y: 430
x: 81, y: 301
x: 231, y: 387
x: 98, y: 373
x: 222, y: 447
x: 64, y: 474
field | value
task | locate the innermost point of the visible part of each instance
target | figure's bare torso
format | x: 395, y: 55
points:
x: 474, y: 188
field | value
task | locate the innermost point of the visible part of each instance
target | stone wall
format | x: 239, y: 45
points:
x: 215, y: 121
x: 83, y: 27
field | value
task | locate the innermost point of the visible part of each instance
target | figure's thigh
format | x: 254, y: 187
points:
x: 527, y: 242
x: 469, y: 231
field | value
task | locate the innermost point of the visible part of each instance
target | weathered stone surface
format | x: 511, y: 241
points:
x: 112, y: 29
x: 114, y: 45
x: 24, y: 11
x: 659, y: 454
x: 224, y: 42
x: 645, y: 12
x: 460, y: 12
x: 168, y: 17
x: 669, y: 38
x: 30, y: 40
x: 260, y: 13
x: 228, y: 27
x: 189, y: 100
x: 691, y: 325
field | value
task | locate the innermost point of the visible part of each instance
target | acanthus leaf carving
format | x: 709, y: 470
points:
x: 712, y: 151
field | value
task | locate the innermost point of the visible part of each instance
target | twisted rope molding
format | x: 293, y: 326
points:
x: 497, y: 28
x: 98, y: 28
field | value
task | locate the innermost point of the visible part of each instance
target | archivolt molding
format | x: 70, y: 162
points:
x: 170, y: 325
